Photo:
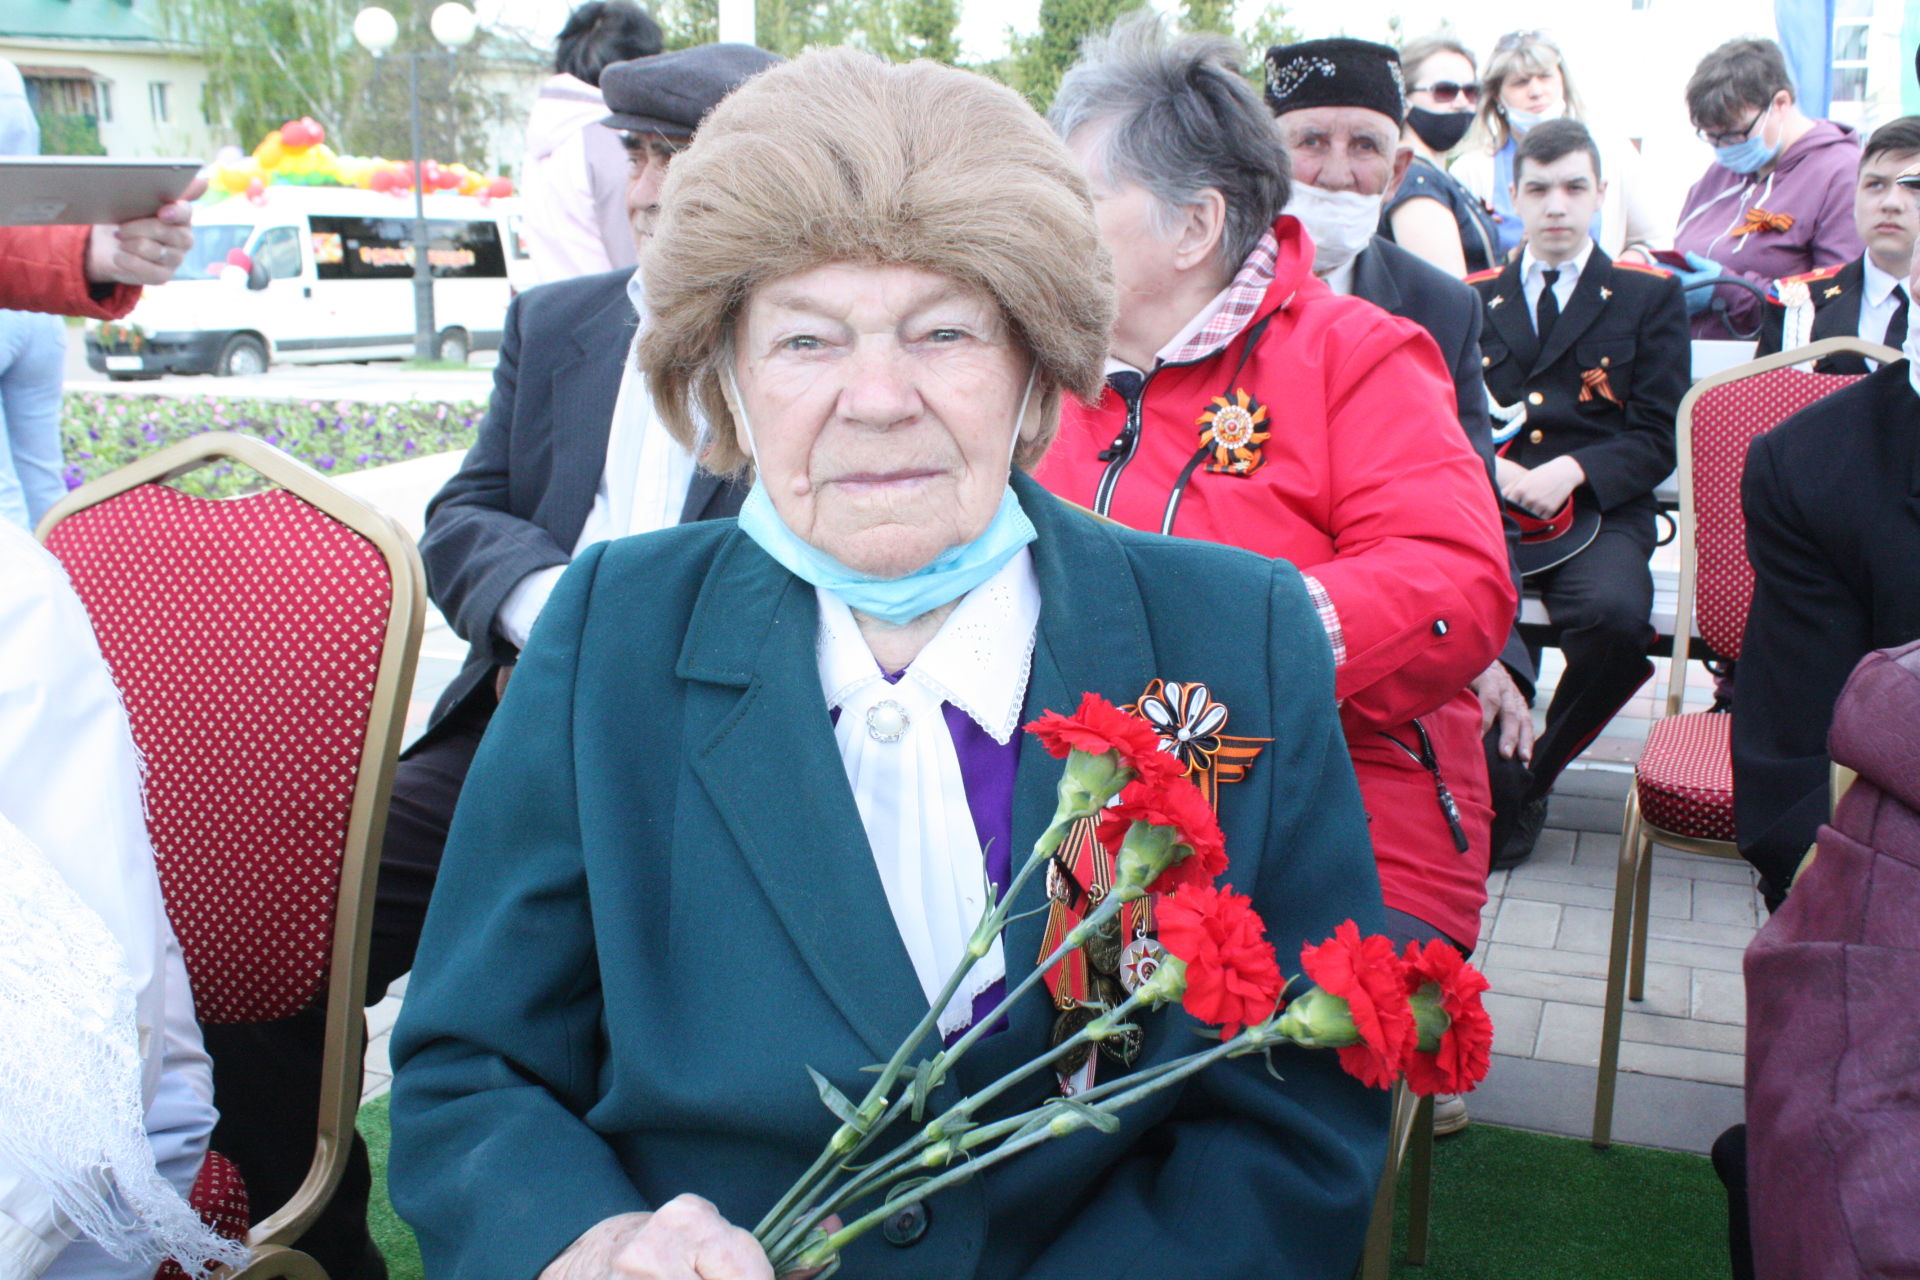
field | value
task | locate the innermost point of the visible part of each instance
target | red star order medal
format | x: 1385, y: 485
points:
x: 1235, y: 428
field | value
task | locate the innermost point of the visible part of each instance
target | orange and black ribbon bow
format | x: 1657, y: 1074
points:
x: 1759, y: 219
x: 1594, y: 382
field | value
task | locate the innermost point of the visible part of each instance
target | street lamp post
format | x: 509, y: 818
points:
x: 374, y: 28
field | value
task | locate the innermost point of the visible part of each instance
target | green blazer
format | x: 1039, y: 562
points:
x: 658, y: 908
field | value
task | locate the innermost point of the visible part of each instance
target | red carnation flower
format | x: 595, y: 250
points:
x: 1098, y: 727
x: 1232, y: 976
x: 1466, y: 1046
x: 1177, y: 804
x: 1367, y: 974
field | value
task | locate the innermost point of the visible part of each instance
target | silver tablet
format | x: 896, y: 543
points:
x: 55, y: 190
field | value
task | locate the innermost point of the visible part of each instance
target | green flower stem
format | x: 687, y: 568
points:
x: 849, y: 1141
x: 901, y: 1160
x: 825, y: 1249
x: 799, y: 1204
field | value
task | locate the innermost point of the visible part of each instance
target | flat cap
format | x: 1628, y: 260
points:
x: 1341, y: 72
x: 671, y: 93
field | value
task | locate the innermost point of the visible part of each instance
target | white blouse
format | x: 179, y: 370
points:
x: 905, y: 772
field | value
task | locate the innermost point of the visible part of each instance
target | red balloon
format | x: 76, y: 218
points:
x: 500, y: 187
x: 315, y: 134
x: 294, y: 134
x: 448, y: 180
x: 383, y: 180
x: 240, y: 259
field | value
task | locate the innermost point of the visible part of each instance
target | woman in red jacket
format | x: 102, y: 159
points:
x: 95, y: 272
x: 1249, y: 404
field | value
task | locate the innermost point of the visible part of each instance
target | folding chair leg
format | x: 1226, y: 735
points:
x: 1420, y: 1203
x: 1376, y: 1259
x: 1625, y: 885
x: 1642, y: 919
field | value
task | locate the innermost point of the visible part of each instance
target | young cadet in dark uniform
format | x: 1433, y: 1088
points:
x: 1596, y: 353
x: 1867, y: 297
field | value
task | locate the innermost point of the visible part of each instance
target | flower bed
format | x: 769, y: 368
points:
x: 102, y: 433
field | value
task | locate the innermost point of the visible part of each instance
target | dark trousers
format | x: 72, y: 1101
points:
x: 1599, y: 600
x: 266, y: 1076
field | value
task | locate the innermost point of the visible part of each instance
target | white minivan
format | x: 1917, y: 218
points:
x: 331, y: 278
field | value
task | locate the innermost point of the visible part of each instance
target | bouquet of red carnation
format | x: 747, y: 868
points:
x: 1417, y: 1017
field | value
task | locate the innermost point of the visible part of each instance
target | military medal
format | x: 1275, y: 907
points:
x: 1065, y: 1027
x: 1123, y: 954
x: 1139, y: 961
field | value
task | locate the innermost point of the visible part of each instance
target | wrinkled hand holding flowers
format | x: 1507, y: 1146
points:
x: 1417, y: 1016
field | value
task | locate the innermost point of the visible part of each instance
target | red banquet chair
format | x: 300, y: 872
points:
x: 1682, y: 795
x: 264, y: 647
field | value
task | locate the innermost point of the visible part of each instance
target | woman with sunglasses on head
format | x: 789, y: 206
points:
x: 1431, y: 214
x: 1777, y: 200
x: 1527, y: 81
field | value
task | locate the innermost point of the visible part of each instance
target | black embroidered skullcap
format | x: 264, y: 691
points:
x: 1341, y: 72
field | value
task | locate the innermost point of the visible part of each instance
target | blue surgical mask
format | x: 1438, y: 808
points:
x: 1521, y: 121
x: 1750, y: 156
x: 945, y: 578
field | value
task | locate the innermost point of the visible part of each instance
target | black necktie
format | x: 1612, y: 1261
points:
x: 1897, y: 324
x: 1547, y: 310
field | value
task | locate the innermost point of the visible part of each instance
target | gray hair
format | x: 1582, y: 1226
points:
x: 1180, y: 119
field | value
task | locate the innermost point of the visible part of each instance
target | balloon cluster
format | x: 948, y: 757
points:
x: 297, y: 153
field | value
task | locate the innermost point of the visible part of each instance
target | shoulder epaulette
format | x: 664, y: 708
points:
x: 1809, y: 277
x: 1491, y: 273
x: 1646, y: 267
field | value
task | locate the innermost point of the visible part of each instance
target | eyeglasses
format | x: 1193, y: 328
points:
x: 1734, y: 138
x: 1514, y: 39
x: 1445, y: 91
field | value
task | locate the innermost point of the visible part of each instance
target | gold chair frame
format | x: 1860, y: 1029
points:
x: 1409, y: 1141
x: 272, y: 1238
x: 1633, y: 879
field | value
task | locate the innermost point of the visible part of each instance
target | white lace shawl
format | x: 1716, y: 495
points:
x: 70, y: 1071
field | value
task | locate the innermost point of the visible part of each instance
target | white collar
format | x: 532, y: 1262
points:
x: 1340, y: 279
x: 1875, y: 283
x: 1530, y: 264
x: 978, y: 661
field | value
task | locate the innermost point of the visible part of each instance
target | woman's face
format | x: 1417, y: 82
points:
x: 1541, y: 92
x: 1445, y: 68
x: 882, y: 404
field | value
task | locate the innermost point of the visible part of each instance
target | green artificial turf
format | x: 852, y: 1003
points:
x: 1507, y: 1205
x: 1511, y: 1205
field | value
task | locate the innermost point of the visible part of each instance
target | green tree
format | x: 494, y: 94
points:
x: 1207, y: 15
x: 270, y: 61
x: 1038, y: 61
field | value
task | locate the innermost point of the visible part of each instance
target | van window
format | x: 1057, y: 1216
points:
x: 211, y: 243
x: 382, y: 248
x: 278, y: 251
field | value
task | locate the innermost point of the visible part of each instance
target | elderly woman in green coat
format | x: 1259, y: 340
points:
x: 738, y: 811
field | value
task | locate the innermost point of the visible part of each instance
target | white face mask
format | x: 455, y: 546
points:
x: 1342, y: 223
x: 1522, y: 121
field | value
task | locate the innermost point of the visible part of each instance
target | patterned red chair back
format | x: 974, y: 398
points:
x: 1726, y: 418
x: 245, y: 636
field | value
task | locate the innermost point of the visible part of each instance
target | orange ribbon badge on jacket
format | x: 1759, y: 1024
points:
x: 1235, y: 428
x: 1189, y: 722
x: 1759, y: 219
x: 1594, y: 383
